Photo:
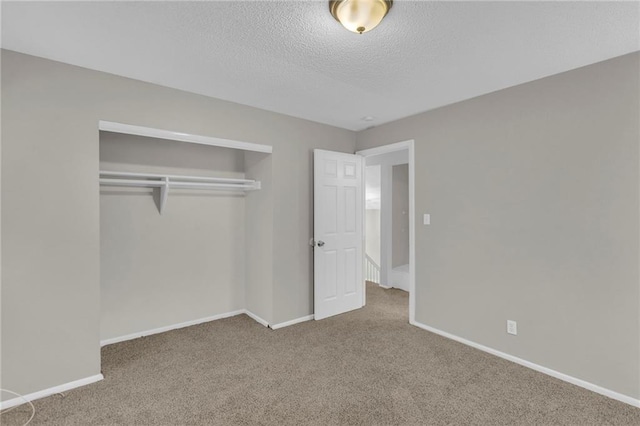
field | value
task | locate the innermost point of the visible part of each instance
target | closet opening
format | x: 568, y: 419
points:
x: 176, y: 219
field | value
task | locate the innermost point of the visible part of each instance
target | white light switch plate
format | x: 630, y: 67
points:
x: 426, y: 219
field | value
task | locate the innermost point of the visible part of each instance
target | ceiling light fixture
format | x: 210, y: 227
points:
x: 359, y: 16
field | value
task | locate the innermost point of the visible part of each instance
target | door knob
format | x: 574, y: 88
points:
x: 320, y: 243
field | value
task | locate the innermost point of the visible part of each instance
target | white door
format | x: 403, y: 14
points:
x: 338, y: 233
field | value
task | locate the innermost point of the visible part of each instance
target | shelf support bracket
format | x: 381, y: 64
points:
x: 164, y: 193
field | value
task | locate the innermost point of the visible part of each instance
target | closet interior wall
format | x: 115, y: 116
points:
x: 185, y: 264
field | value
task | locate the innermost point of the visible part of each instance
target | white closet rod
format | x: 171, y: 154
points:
x: 166, y: 182
x: 174, y: 177
x: 178, y: 184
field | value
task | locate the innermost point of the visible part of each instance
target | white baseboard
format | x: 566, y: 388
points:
x: 386, y: 287
x: 169, y: 327
x: 553, y: 373
x: 255, y: 317
x: 51, y: 391
x: 292, y: 322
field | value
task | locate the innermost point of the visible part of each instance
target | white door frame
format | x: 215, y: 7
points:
x: 384, y: 149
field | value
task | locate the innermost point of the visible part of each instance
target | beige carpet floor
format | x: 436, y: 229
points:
x: 367, y: 367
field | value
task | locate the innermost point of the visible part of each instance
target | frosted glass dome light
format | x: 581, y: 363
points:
x: 360, y: 16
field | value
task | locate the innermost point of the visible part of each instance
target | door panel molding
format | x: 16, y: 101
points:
x: 338, y: 233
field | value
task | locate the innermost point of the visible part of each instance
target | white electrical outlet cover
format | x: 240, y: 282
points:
x: 512, y: 327
x: 426, y: 219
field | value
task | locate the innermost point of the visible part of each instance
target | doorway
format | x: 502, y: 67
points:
x: 389, y: 218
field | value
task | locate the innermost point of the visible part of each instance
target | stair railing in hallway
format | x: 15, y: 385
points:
x: 372, y: 270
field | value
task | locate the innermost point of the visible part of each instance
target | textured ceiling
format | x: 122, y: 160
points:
x: 294, y: 58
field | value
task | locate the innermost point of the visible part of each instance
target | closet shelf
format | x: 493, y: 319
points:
x: 166, y: 182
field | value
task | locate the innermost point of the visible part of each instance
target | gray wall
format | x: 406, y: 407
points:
x: 186, y: 264
x: 50, y: 200
x: 533, y: 193
x: 259, y: 243
x: 400, y: 215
